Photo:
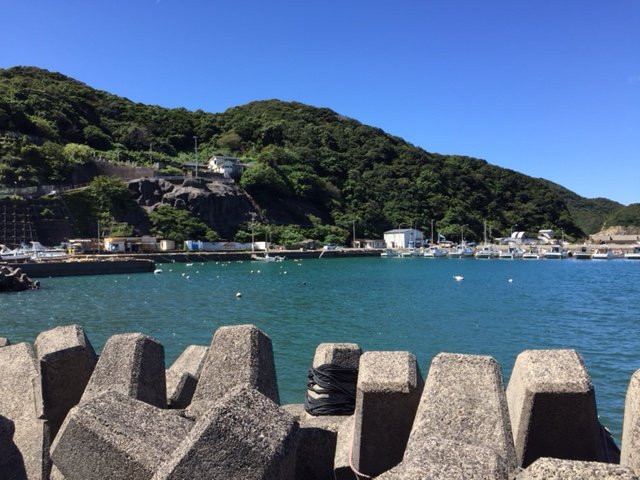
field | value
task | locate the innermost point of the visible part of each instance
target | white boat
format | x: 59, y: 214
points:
x: 512, y: 252
x: 532, y: 254
x: 435, y: 252
x: 267, y: 258
x: 8, y: 255
x: 461, y: 251
x: 37, y: 252
x: 410, y: 252
x: 557, y: 252
x: 487, y: 250
x: 390, y: 253
x: 603, y: 253
x: 633, y: 254
x: 584, y: 253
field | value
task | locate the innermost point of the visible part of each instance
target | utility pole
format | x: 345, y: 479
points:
x: 432, y: 231
x: 150, y: 151
x: 195, y: 139
x: 353, y: 243
x: 253, y: 236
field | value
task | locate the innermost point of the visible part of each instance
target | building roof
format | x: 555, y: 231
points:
x: 401, y: 230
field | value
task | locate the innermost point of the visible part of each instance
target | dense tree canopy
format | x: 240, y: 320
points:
x: 307, y: 166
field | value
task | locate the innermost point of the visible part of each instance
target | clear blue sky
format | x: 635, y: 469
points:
x: 548, y: 88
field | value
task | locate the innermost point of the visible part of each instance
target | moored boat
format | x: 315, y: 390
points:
x: 557, y: 252
x: 634, y: 254
x: 435, y: 252
x: 584, y: 253
x: 267, y: 258
x: 603, y: 253
x: 12, y: 256
x: 512, y: 252
x: 532, y: 254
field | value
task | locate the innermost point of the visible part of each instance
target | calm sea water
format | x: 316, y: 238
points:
x: 382, y: 304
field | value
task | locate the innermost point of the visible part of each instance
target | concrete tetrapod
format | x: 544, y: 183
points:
x: 238, y: 355
x: 132, y: 364
x: 556, y: 469
x: 183, y: 376
x: 21, y: 403
x: 319, y: 434
x: 389, y: 388
x: 242, y: 436
x: 462, y: 422
x: 66, y: 360
x: 113, y: 436
x: 553, y: 408
x: 4, y: 342
x: 630, y: 452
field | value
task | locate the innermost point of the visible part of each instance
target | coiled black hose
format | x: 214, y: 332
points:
x: 336, y: 390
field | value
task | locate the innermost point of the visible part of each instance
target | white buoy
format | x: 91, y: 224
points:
x: 511, y: 280
x: 458, y: 278
x: 238, y: 294
x: 183, y: 274
x: 157, y: 271
x: 189, y: 265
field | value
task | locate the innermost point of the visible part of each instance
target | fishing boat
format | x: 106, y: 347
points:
x: 487, y: 250
x: 8, y: 255
x: 267, y: 258
x: 532, y: 254
x: 603, y: 253
x: 512, y: 252
x: 461, y: 251
x: 634, y: 254
x: 39, y: 252
x: 557, y: 252
x: 435, y: 252
x: 584, y: 253
x: 390, y: 253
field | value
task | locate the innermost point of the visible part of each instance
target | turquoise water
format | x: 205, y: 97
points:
x: 382, y: 304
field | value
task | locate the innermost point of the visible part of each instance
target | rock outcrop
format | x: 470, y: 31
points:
x: 15, y: 280
x: 220, y: 204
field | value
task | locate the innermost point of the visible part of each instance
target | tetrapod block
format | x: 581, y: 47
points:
x: 553, y: 408
x: 66, y: 360
x: 133, y: 365
x: 117, y: 437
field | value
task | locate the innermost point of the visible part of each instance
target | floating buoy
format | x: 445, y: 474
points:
x: 157, y: 271
x: 238, y: 294
x: 189, y: 265
x: 510, y: 280
x: 187, y: 277
x: 458, y: 278
x: 183, y: 274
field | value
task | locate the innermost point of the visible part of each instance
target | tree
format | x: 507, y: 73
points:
x: 77, y: 154
x: 176, y: 224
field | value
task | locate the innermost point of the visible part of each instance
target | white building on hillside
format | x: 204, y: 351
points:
x: 230, y: 167
x: 403, y: 238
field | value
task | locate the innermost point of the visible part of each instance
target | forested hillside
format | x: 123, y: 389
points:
x: 308, y: 166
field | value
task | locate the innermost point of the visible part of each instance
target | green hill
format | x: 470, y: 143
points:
x: 624, y: 217
x: 309, y: 166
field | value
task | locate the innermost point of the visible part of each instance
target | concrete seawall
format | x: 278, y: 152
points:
x: 86, y: 267
x: 118, y: 420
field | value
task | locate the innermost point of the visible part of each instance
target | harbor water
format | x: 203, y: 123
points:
x: 500, y: 308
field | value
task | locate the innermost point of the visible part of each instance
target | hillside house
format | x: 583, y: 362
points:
x: 230, y: 167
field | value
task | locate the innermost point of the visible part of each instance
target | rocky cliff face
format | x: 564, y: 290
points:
x: 220, y: 204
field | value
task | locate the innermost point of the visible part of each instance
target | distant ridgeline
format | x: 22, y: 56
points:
x: 312, y: 173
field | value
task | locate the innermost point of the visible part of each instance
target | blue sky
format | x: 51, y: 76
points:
x: 547, y: 88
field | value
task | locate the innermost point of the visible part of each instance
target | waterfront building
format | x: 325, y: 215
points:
x: 403, y: 238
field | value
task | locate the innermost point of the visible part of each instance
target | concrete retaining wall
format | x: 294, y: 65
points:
x: 113, y: 419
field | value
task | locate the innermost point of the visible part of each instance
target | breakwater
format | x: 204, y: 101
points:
x: 216, y: 413
x: 103, y: 266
